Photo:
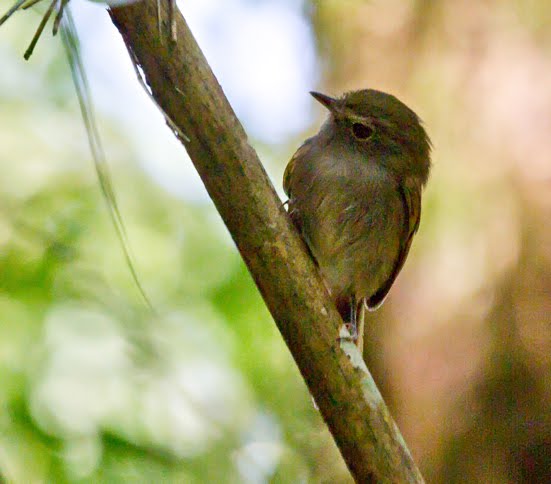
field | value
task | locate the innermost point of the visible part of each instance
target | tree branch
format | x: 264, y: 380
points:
x: 185, y: 88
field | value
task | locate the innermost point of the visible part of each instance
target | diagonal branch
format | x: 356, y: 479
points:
x: 185, y: 88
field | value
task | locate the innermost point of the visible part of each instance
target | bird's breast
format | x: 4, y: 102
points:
x: 351, y: 217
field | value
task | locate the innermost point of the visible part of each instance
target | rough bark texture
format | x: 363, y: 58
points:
x: 186, y: 90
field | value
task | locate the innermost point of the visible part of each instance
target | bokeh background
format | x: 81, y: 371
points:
x: 94, y: 388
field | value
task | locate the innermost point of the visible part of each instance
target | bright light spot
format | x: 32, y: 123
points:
x: 264, y: 56
x: 262, y: 53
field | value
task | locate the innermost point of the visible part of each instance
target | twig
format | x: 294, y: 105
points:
x: 15, y: 7
x: 39, y: 30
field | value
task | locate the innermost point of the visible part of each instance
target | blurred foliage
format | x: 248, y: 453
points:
x: 95, y: 388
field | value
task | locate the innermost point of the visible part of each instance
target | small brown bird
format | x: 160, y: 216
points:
x: 355, y: 196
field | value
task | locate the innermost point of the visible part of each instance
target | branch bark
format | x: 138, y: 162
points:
x: 185, y: 88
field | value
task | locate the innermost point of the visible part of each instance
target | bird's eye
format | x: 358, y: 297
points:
x: 362, y: 131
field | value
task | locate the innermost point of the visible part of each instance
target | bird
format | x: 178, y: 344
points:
x: 354, y: 194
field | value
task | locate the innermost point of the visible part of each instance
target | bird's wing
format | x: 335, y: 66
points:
x: 294, y: 213
x: 300, y: 153
x: 410, y: 195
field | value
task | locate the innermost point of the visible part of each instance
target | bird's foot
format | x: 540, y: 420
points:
x: 349, y: 332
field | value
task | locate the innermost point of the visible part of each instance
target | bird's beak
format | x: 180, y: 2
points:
x: 329, y: 102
